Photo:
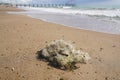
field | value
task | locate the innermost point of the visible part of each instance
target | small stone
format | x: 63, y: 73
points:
x: 36, y: 64
x: 46, y: 42
x: 17, y: 73
x: 106, y: 78
x: 2, y: 54
x: 6, y: 48
x: 114, y: 46
x: 95, y: 71
x: 6, y: 67
x: 23, y: 76
x: 87, y: 72
x: 13, y: 69
x: 48, y: 67
x: 73, y: 42
x: 100, y: 60
x: 81, y: 49
x: 113, y: 78
x: 61, y: 79
x: 80, y: 72
x: 101, y: 49
x: 96, y: 58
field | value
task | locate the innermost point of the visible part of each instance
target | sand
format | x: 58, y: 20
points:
x: 21, y: 37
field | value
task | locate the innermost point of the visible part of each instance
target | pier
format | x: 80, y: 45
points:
x: 42, y: 5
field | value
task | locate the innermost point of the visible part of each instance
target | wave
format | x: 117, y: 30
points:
x: 75, y: 18
x: 115, y: 13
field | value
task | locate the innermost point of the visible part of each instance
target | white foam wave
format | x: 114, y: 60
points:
x: 68, y: 17
x: 107, y: 13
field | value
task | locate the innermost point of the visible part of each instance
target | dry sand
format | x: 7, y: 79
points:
x: 21, y: 37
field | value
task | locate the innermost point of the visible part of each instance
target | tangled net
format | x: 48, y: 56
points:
x: 63, y: 54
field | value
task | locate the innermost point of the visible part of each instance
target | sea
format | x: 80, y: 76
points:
x: 99, y: 19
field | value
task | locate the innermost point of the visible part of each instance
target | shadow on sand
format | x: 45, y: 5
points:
x: 42, y: 58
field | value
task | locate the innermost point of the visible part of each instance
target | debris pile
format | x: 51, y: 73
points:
x: 63, y: 54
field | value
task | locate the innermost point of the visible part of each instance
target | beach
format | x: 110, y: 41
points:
x: 105, y: 21
x: 21, y: 37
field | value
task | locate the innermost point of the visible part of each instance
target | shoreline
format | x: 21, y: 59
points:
x: 79, y: 22
x: 65, y: 25
x: 22, y: 36
x: 73, y: 26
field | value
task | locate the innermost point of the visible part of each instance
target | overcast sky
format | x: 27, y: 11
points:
x: 81, y: 2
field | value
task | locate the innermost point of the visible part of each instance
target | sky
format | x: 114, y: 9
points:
x: 78, y: 2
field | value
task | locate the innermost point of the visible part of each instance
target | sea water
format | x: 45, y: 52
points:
x: 106, y: 20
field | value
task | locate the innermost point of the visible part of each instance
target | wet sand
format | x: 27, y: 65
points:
x: 21, y: 37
